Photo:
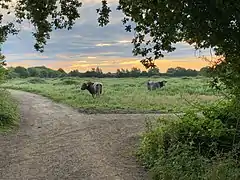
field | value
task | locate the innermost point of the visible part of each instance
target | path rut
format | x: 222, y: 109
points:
x: 55, y: 141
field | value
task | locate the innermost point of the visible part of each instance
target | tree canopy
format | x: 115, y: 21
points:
x: 158, y: 23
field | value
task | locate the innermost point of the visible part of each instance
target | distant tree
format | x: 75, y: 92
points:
x: 205, y: 71
x: 109, y: 74
x: 11, y: 73
x: 43, y: 74
x: 74, y: 73
x: 121, y: 73
x: 144, y: 73
x: 153, y: 71
x: 94, y: 72
x: 61, y: 72
x: 170, y: 71
x: 180, y: 71
x: 23, y: 73
x: 191, y: 72
x: 33, y: 72
x: 135, y: 72
x: 99, y: 70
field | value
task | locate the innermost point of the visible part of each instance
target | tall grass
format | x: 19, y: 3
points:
x: 8, y: 111
x: 126, y: 94
x: 181, y: 149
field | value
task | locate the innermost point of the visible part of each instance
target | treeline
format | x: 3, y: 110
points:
x: 44, y: 72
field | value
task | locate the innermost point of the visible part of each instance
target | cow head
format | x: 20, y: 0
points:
x: 86, y: 85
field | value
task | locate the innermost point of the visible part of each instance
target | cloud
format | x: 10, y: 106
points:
x: 91, y: 57
x: 88, y: 45
x: 102, y: 44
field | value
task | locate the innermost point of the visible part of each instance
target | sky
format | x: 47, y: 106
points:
x: 87, y: 46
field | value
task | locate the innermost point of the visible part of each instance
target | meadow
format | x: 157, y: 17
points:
x: 123, y: 95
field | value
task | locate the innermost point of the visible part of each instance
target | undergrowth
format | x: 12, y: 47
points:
x: 8, y: 111
x: 194, y: 147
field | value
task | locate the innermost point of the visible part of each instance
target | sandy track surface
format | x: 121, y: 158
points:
x: 57, y: 142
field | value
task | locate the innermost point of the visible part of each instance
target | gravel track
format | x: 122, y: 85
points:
x: 55, y: 141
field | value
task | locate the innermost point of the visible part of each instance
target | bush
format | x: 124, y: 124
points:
x: 194, y: 146
x: 228, y: 114
x: 181, y: 162
x: 203, y: 134
x: 37, y: 81
x: 8, y: 110
x: 68, y: 82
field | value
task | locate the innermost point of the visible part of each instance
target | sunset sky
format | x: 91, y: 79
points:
x: 88, y: 45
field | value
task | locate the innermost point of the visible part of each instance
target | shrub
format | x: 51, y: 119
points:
x: 8, y: 110
x: 228, y: 114
x: 194, y: 146
x: 205, y: 135
x: 37, y: 81
x: 181, y: 162
x: 68, y: 82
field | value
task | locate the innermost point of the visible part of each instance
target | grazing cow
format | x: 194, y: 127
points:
x: 94, y: 88
x: 155, y: 85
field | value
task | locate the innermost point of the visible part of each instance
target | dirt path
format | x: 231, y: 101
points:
x: 56, y: 142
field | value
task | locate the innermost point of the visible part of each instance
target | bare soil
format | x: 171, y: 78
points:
x: 55, y: 141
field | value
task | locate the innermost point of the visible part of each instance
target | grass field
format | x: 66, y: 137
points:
x: 124, y: 95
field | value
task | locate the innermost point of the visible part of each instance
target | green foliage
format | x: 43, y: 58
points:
x: 37, y: 81
x: 227, y: 75
x: 45, y: 72
x: 33, y: 72
x: 62, y: 73
x: 2, y: 73
x: 228, y: 114
x: 181, y: 162
x: 205, y: 71
x: 192, y: 147
x: 23, y: 73
x: 44, y: 15
x: 153, y: 71
x: 208, y: 136
x: 2, y: 69
x: 41, y: 72
x: 179, y: 71
x: 169, y: 22
x: 8, y: 110
x: 68, y: 82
